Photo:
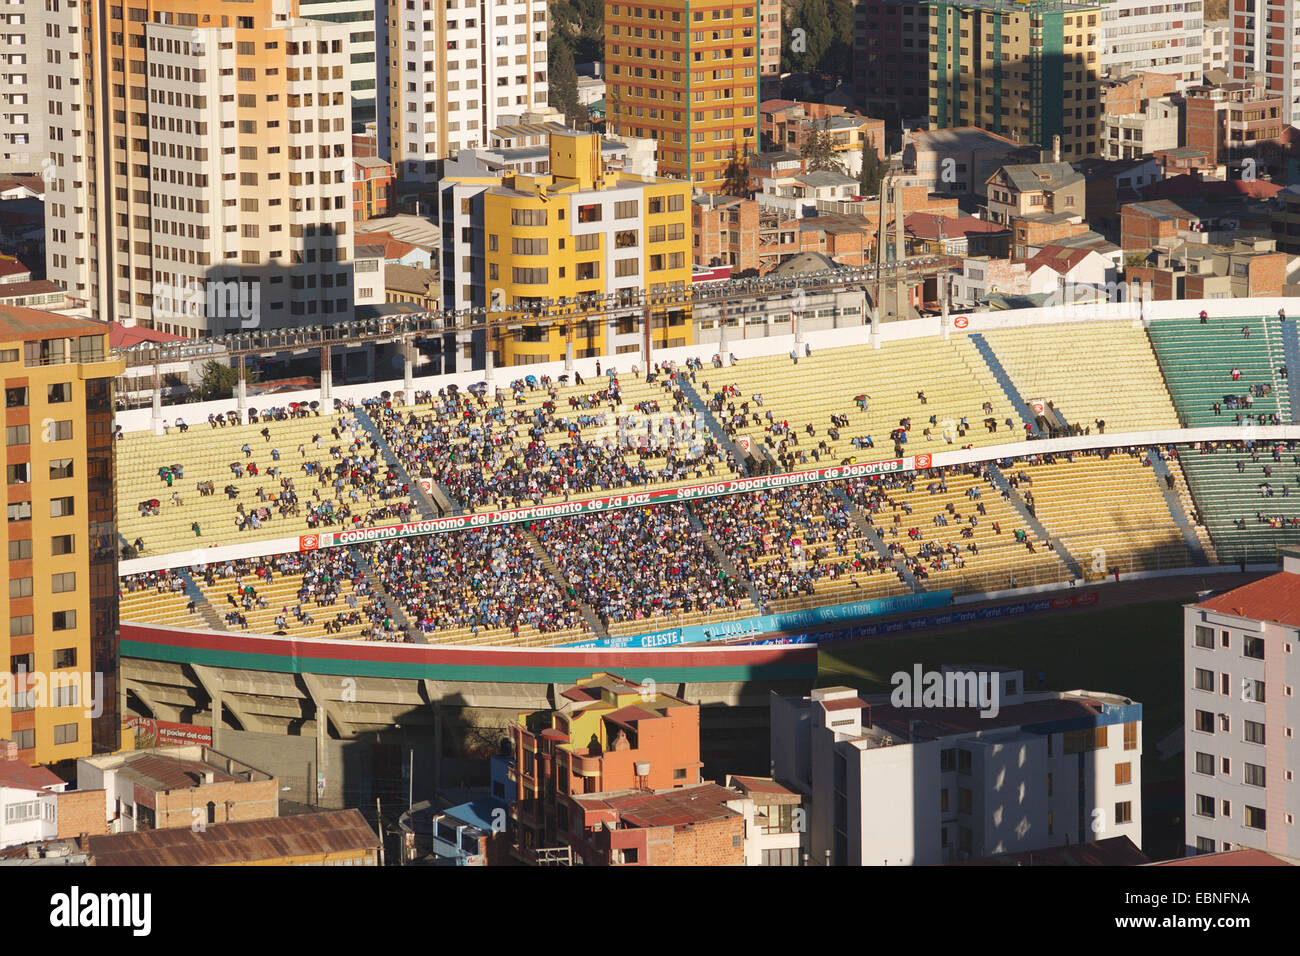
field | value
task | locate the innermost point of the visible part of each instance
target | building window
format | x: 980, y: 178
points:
x: 60, y: 468
x: 1131, y: 735
x: 65, y: 657
x: 63, y: 620
x: 65, y: 733
x: 1255, y: 818
x: 1254, y: 732
x: 60, y: 392
x: 1253, y: 647
x: 1204, y: 806
x: 1123, y: 773
x: 1254, y: 775
x: 1204, y: 679
x: 1205, y: 721
x: 16, y: 397
x: 1205, y: 764
x: 1124, y: 812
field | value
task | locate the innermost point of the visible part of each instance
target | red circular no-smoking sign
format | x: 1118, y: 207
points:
x: 961, y: 321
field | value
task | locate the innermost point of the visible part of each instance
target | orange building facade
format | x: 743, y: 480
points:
x: 605, y: 734
x: 686, y: 75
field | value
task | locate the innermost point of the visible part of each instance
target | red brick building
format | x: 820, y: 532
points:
x: 688, y: 826
x: 1233, y: 117
x: 605, y: 733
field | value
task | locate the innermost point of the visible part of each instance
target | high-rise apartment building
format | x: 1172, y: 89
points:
x: 453, y: 70
x: 22, y: 86
x: 1139, y: 36
x: 60, y: 651
x: 1028, y: 71
x: 687, y: 76
x: 1239, y: 669
x: 514, y: 240
x: 1265, y: 40
x: 922, y: 783
x: 769, y: 48
x: 891, y: 41
x: 363, y: 50
x: 202, y: 157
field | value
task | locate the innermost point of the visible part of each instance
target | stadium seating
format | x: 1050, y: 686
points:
x: 474, y: 485
x: 1198, y: 360
x: 953, y: 375
x: 206, y: 454
x: 1118, y: 382
x: 1227, y: 495
x: 1109, y: 512
x: 794, y: 538
x: 1001, y: 560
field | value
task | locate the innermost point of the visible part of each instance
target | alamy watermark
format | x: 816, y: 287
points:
x: 921, y: 688
x: 32, y: 690
x: 213, y: 299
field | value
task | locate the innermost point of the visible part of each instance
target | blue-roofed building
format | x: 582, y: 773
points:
x: 472, y: 834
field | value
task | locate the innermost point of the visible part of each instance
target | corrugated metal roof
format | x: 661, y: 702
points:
x: 307, y: 834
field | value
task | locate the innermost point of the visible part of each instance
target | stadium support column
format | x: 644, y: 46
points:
x: 568, y: 356
x: 326, y: 378
x: 647, y: 344
x: 796, y: 319
x: 1144, y: 307
x: 157, y: 400
x: 722, y: 332
x: 489, y: 365
x: 875, y: 326
x: 241, y: 392
x: 408, y: 370
x: 945, y: 327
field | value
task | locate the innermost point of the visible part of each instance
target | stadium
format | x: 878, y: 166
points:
x: 382, y: 562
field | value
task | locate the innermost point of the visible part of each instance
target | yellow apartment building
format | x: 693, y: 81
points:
x: 578, y: 232
x: 60, y: 650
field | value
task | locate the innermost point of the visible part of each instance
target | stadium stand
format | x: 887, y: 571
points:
x: 799, y: 547
x: 483, y: 586
x: 1106, y: 508
x: 1230, y: 482
x: 641, y: 565
x: 921, y: 390
x: 208, y: 484
x: 1218, y: 374
x: 542, y: 441
x: 1119, y: 383
x: 958, y: 531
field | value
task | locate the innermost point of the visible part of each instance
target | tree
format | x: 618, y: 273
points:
x: 218, y: 381
x: 873, y: 170
x: 563, y: 80
x: 819, y: 151
x: 817, y: 36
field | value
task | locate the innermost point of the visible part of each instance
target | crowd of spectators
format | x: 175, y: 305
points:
x: 506, y: 452
x: 482, y: 579
x: 640, y: 563
x: 787, y: 541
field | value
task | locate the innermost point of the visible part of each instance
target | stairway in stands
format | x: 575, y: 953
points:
x: 1008, y: 387
x: 548, y: 562
x: 201, y: 602
x: 1001, y: 484
x: 422, y: 501
x: 1176, y: 509
x: 700, y: 404
x: 724, y: 561
x: 390, y: 603
x: 870, y: 532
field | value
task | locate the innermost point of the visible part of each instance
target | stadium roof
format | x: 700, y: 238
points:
x: 1274, y: 598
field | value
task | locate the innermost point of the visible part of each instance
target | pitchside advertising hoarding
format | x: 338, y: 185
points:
x: 567, y: 509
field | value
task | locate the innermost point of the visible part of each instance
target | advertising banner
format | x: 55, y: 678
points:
x: 565, y: 509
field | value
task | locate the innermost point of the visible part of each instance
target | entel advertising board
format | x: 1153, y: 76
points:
x: 565, y: 509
